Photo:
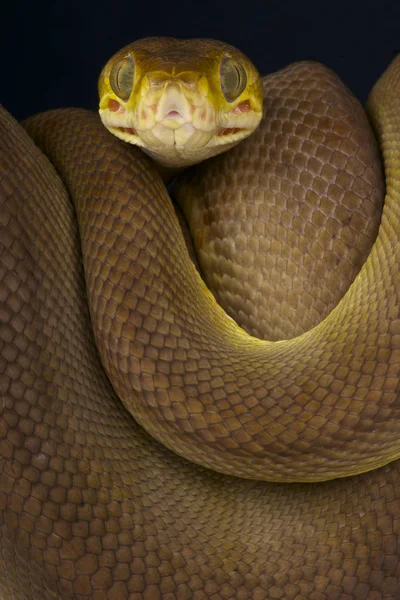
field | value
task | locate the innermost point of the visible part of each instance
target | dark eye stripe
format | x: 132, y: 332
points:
x: 233, y: 78
x: 122, y: 76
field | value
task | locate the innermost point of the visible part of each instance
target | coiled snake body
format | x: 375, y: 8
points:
x: 92, y: 506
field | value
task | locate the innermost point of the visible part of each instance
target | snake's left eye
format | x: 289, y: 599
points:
x: 233, y: 78
x: 122, y: 76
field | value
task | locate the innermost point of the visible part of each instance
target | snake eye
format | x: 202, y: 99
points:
x: 121, y: 77
x: 233, y: 78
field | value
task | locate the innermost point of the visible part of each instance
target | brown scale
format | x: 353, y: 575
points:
x: 280, y: 245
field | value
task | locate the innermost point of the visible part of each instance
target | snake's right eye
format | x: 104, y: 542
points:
x: 122, y: 76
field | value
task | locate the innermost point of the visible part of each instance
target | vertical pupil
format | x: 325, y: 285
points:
x: 121, y: 78
x: 233, y: 79
x: 237, y: 77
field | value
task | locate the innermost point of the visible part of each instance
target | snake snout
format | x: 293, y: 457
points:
x: 174, y: 108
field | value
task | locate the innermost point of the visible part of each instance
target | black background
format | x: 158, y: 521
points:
x: 53, y: 52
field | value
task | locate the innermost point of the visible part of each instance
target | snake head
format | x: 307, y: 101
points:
x: 181, y: 101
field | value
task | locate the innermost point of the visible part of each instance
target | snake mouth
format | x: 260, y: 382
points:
x: 223, y: 131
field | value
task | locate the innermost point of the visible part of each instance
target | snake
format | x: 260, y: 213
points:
x: 213, y: 423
